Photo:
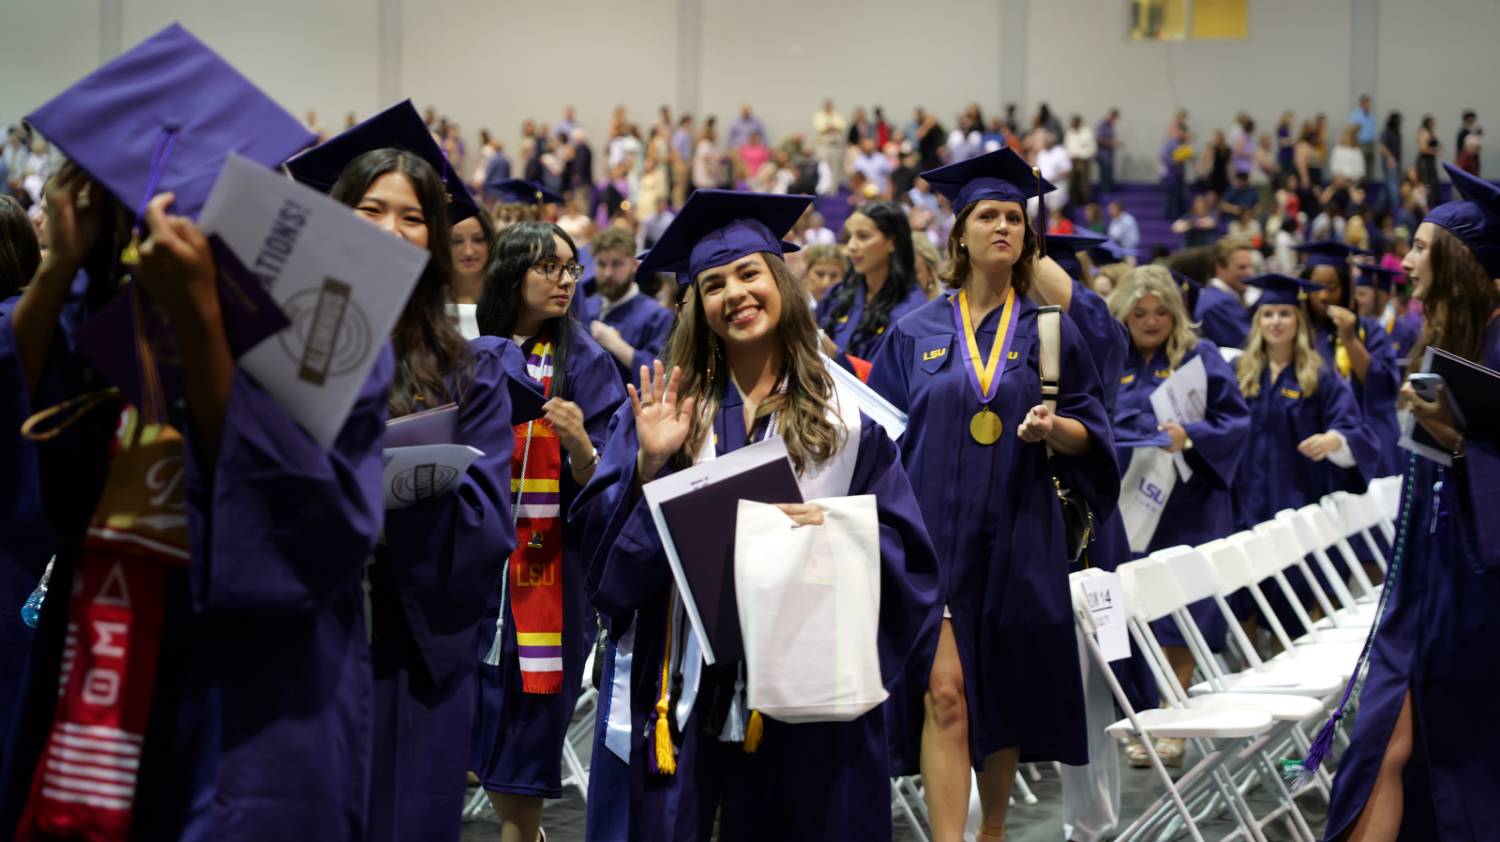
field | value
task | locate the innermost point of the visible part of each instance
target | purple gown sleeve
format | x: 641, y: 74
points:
x: 1094, y: 474
x: 888, y: 371
x: 656, y: 325
x: 1340, y: 412
x: 909, y: 609
x: 278, y: 524
x: 1481, y: 484
x: 1219, y: 439
x: 1106, y: 337
x: 25, y: 538
x: 447, y: 554
x: 626, y: 564
x: 1383, y: 379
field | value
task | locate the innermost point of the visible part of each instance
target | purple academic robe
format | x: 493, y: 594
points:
x: 261, y: 717
x: 1221, y: 317
x: 1437, y: 640
x: 1403, y: 337
x: 998, y: 528
x: 1376, y: 395
x: 517, y: 739
x: 645, y: 324
x: 429, y: 586
x: 1200, y: 509
x: 844, y: 330
x: 26, y: 539
x: 807, y: 781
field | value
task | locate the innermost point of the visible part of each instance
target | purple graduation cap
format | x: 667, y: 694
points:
x: 1001, y: 175
x: 1378, y: 277
x: 717, y: 227
x: 162, y: 117
x: 398, y: 127
x: 1110, y: 251
x: 519, y: 191
x: 1327, y: 253
x: 1475, y: 219
x: 1282, y: 289
x: 1080, y: 240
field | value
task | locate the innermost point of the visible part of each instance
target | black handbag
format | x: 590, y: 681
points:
x: 1078, y: 519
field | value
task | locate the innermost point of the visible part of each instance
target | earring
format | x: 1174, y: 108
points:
x: 715, y: 353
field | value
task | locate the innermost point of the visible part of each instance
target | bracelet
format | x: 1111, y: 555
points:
x: 593, y: 460
x: 1458, y: 447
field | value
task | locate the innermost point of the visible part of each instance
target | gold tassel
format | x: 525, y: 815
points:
x: 666, y: 759
x: 753, y: 732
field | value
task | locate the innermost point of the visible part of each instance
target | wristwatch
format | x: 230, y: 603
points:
x: 593, y: 460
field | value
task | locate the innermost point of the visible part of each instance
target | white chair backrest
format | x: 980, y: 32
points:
x: 1231, y: 565
x: 1387, y: 490
x: 1325, y: 528
x: 1150, y: 590
x: 1284, y: 544
x: 1194, y: 575
x: 1352, y: 512
x: 1306, y: 534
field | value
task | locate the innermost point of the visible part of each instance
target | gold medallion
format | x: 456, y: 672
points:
x: 985, y: 427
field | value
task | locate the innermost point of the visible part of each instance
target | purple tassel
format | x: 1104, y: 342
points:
x: 1300, y: 774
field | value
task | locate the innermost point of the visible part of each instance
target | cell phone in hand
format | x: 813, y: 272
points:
x: 1425, y: 384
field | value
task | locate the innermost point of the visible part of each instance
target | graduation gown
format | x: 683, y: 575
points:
x: 261, y: 719
x: 516, y: 744
x: 1200, y: 509
x: 998, y: 528
x: 643, y: 323
x: 1404, y: 336
x: 806, y: 781
x: 1376, y: 396
x: 430, y: 584
x: 1437, y: 639
x: 1221, y: 317
x: 843, y: 329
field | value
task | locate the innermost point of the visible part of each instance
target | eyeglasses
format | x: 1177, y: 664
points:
x: 553, y: 270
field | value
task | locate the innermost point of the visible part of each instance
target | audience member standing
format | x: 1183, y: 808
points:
x: 1081, y: 146
x: 1428, y: 148
x: 1390, y: 157
x: 746, y: 127
x: 1108, y: 142
x: 1366, y: 131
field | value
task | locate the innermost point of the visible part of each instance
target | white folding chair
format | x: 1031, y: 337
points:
x: 1327, y: 534
x: 1169, y: 723
x: 1359, y: 515
x: 1294, y: 546
x: 1154, y: 585
x: 1385, y: 493
x: 1266, y: 548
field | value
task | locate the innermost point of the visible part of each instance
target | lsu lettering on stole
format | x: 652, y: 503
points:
x: 535, y: 567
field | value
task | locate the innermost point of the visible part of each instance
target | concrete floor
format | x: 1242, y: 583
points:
x: 1041, y: 822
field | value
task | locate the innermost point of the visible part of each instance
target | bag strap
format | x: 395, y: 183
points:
x: 1049, y: 335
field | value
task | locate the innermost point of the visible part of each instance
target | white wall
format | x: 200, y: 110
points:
x: 491, y: 63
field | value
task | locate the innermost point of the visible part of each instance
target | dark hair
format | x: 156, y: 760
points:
x: 19, y: 252
x: 1346, y: 283
x: 1197, y: 262
x: 1393, y: 121
x: 890, y: 219
x: 1458, y: 302
x: 428, y: 345
x: 515, y: 251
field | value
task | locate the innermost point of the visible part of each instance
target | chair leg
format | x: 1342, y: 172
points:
x: 902, y: 806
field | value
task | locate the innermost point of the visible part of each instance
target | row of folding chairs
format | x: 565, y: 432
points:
x: 1242, y: 720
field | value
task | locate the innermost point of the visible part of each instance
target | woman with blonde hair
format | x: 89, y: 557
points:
x: 1310, y: 438
x: 1163, y: 341
x: 928, y: 264
x: 824, y: 266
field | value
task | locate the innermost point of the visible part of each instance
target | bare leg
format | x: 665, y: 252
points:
x: 945, y: 742
x: 994, y: 792
x: 1181, y: 659
x: 1381, y: 818
x: 520, y: 816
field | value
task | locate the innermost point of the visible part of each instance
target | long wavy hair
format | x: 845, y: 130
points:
x: 956, y: 269
x: 515, y: 250
x: 428, y: 346
x: 1156, y: 280
x: 890, y: 220
x: 1306, y: 361
x: 1458, y: 303
x: 802, y: 405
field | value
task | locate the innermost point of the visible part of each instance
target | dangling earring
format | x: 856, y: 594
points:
x: 715, y: 353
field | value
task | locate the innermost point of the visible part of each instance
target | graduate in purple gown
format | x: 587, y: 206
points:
x: 1421, y: 759
x: 1310, y: 437
x: 678, y: 749
x: 966, y: 370
x: 1354, y: 346
x: 1375, y: 291
x: 1201, y: 509
x: 630, y: 325
x: 856, y: 313
x: 530, y: 667
x: 439, y: 558
x: 1219, y: 309
x: 259, y: 715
